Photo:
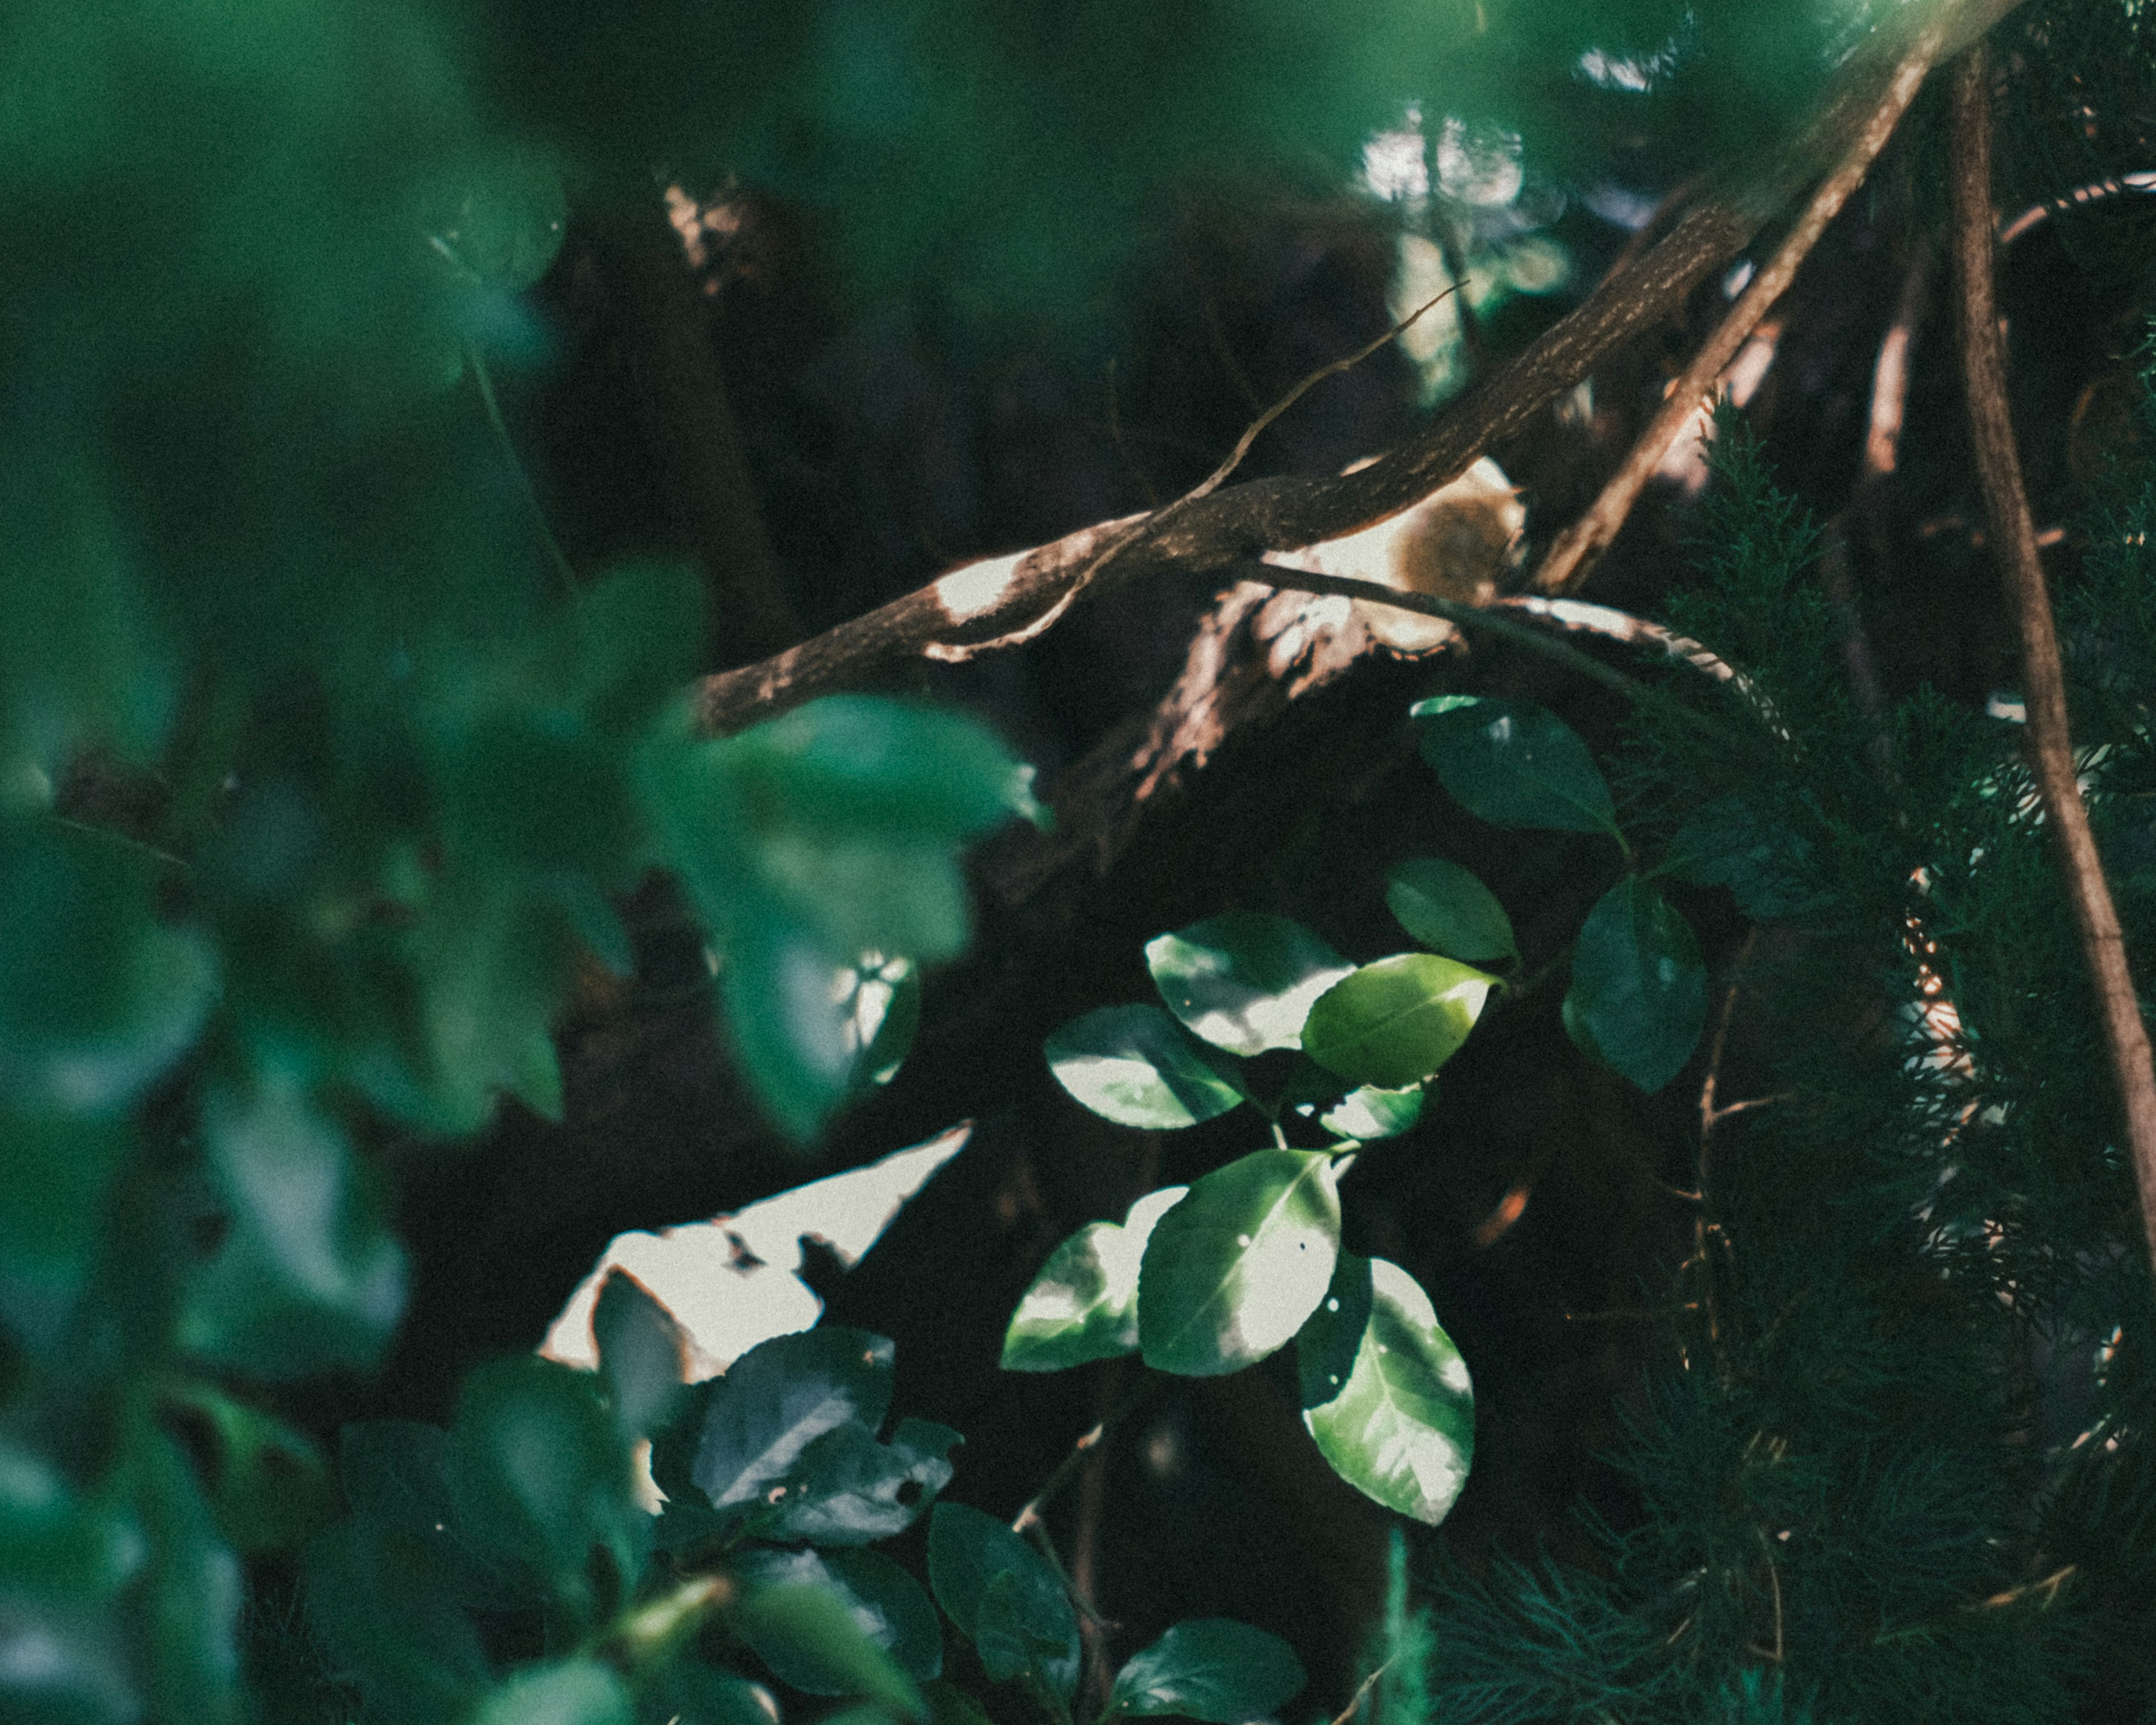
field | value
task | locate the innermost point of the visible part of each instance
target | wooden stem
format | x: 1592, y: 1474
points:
x: 2013, y: 537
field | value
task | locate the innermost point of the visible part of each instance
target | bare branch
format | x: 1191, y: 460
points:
x: 2013, y: 537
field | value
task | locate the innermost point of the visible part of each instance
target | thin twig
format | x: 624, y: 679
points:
x: 1581, y: 544
x: 2013, y: 536
x: 1075, y: 1458
x: 477, y: 361
x: 1362, y: 1692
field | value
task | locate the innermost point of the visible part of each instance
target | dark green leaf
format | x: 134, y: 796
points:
x: 1213, y: 1669
x: 1084, y: 1304
x: 777, y: 1398
x: 1003, y: 1598
x: 886, y: 1603
x: 1243, y: 981
x: 384, y: 1612
x: 847, y: 1489
x: 1725, y: 843
x: 396, y: 1477
x: 640, y: 1353
x: 502, y: 223
x: 1394, y: 1022
x: 573, y: 1691
x: 55, y: 1168
x: 540, y: 1475
x: 1232, y: 1270
x: 1325, y: 1347
x: 811, y: 1629
x: 1401, y: 1428
x: 308, y: 1278
x: 1137, y: 1066
x: 1370, y: 1113
x: 686, y: 1691
x: 1639, y: 990
x: 1514, y: 764
x: 269, y: 1486
x: 536, y: 1078
x: 787, y: 1019
x: 1446, y: 908
x: 190, y: 1594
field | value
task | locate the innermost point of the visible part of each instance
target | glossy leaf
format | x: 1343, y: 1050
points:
x: 1446, y: 908
x: 886, y: 1604
x: 1514, y: 764
x: 539, y: 1474
x: 1214, y: 1669
x: 779, y: 1398
x: 1137, y: 1066
x: 810, y: 1629
x: 1399, y: 1423
x: 1243, y: 981
x: 1003, y: 1598
x: 1639, y: 990
x: 1369, y: 1112
x: 1395, y: 1022
x: 640, y: 1353
x: 847, y: 1489
x: 308, y: 1277
x: 1232, y: 1270
x: 1084, y: 1304
x: 572, y: 1691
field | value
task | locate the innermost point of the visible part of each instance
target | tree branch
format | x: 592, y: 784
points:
x: 2013, y: 537
x: 1007, y: 597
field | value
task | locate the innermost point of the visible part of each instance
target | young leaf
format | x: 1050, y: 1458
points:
x: 780, y: 1396
x: 1369, y: 1112
x: 641, y: 1354
x: 885, y: 1602
x: 1232, y: 1270
x: 1447, y: 909
x: 1003, y: 1597
x: 847, y: 1489
x: 1137, y: 1066
x: 1514, y: 764
x: 1639, y: 990
x: 1214, y: 1669
x: 1084, y: 1304
x: 1243, y: 981
x: 1394, y: 1022
x: 813, y: 1631
x: 1398, y: 1424
x: 572, y: 1691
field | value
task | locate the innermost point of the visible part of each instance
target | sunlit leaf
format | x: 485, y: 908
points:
x: 1514, y: 764
x: 1448, y: 909
x: 1234, y: 1268
x: 573, y: 1691
x: 640, y: 1353
x: 1084, y: 1304
x: 1214, y: 1669
x: 1243, y: 981
x: 1394, y: 1022
x: 886, y: 1604
x: 1639, y: 990
x: 1137, y: 1066
x: 1369, y: 1112
x: 1398, y: 1423
x: 779, y: 1398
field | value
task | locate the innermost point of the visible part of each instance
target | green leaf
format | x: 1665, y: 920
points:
x: 1725, y: 843
x: 502, y: 223
x: 571, y: 1692
x: 811, y: 1629
x: 687, y: 1691
x: 1003, y: 1598
x: 1394, y: 1022
x: 1243, y: 981
x: 1232, y: 1270
x: 885, y: 1602
x: 882, y: 998
x: 1084, y: 1304
x: 55, y: 1169
x: 535, y: 1077
x: 641, y: 1355
x: 269, y: 1486
x: 308, y: 1278
x: 1137, y: 1066
x: 1214, y: 1669
x: 1370, y: 1112
x: 1400, y: 1429
x: 1514, y: 764
x: 540, y: 1475
x: 396, y: 1479
x: 847, y: 1489
x: 384, y: 1613
x: 190, y: 1594
x: 1446, y: 908
x: 1638, y: 989
x: 788, y: 1021
x: 777, y: 1398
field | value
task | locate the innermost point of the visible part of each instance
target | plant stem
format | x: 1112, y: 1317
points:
x: 1067, y: 1468
x: 494, y: 417
x: 2013, y: 536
